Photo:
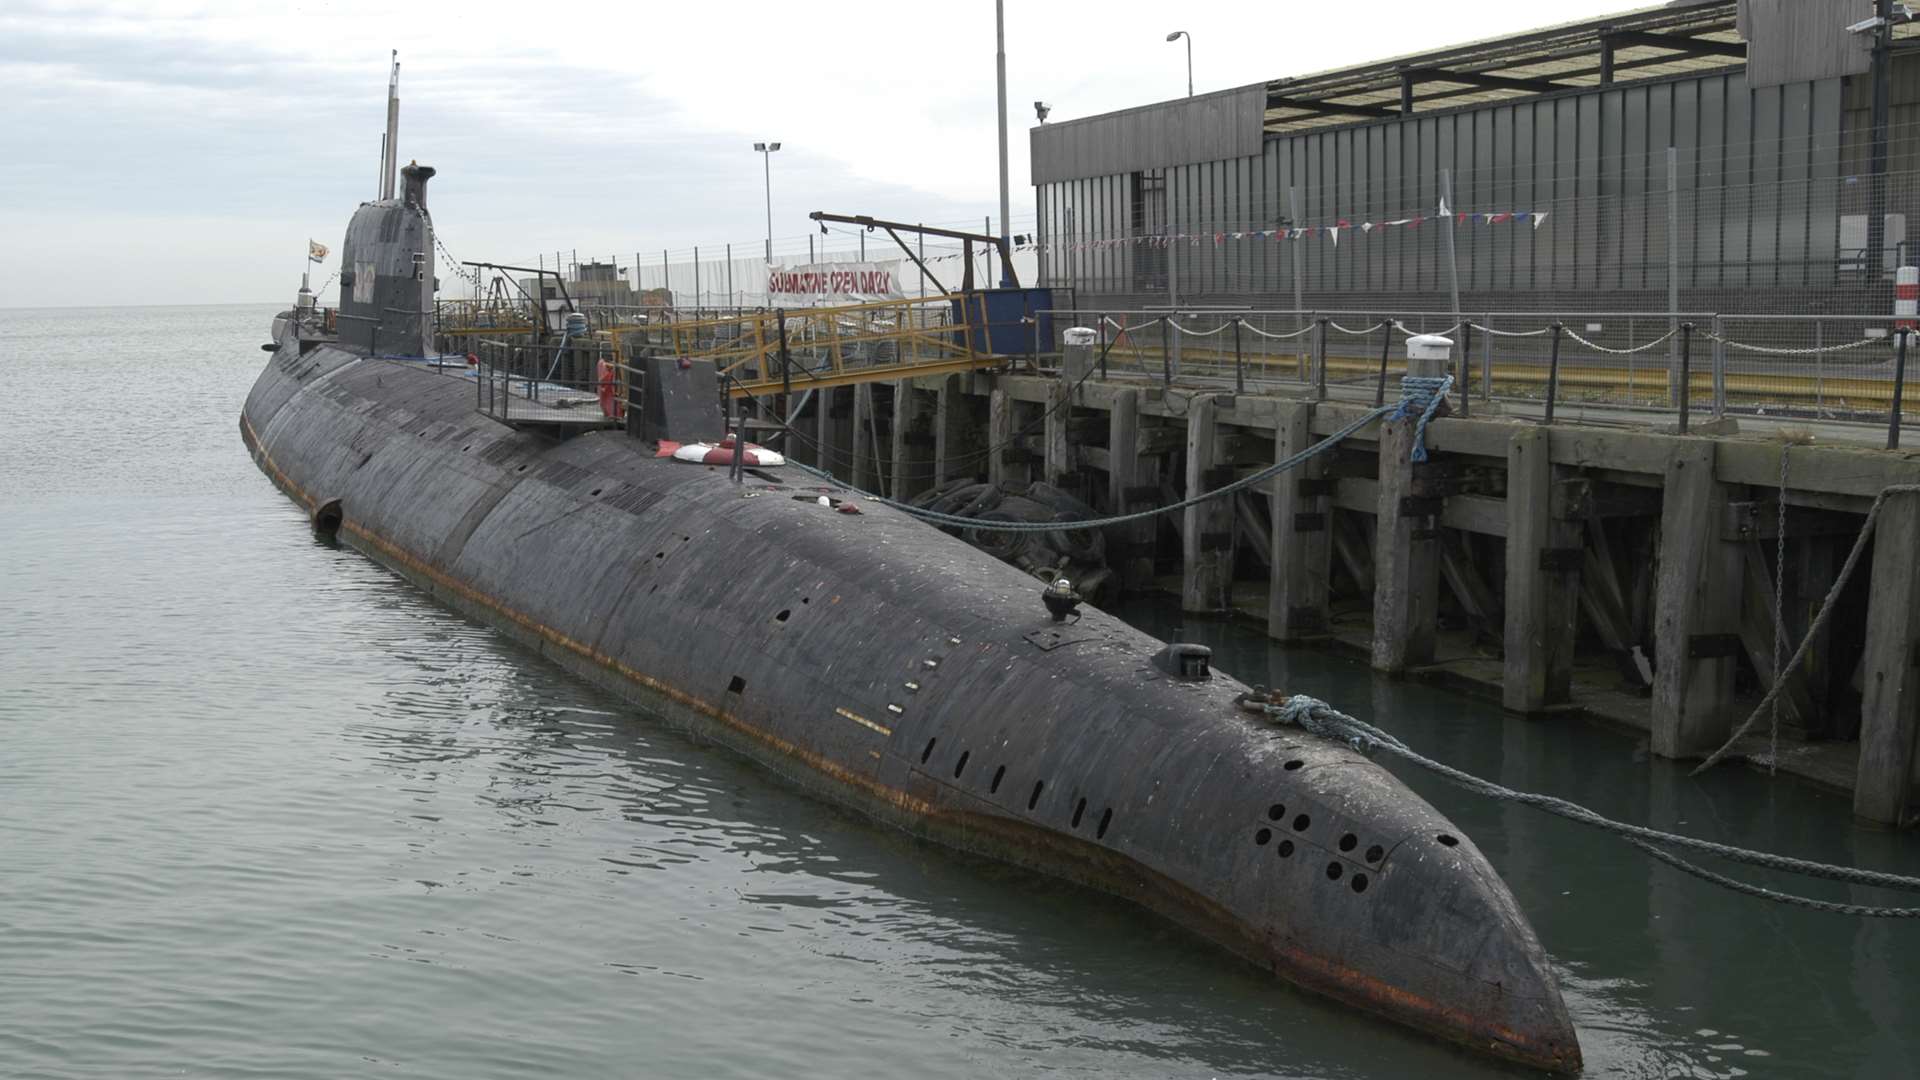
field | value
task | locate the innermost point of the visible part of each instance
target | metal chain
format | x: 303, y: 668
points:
x: 1319, y: 718
x: 1827, y: 605
x: 1618, y: 352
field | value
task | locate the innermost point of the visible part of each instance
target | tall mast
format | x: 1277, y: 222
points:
x: 391, y: 147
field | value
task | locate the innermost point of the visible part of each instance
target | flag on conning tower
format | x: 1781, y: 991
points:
x: 316, y: 252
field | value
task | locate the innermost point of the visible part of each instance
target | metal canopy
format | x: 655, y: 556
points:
x: 1648, y: 43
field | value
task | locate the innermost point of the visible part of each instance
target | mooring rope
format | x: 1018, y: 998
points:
x: 1827, y: 606
x: 1425, y: 393
x: 1419, y: 395
x: 1316, y: 717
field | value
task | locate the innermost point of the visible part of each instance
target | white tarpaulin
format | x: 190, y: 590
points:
x: 816, y: 284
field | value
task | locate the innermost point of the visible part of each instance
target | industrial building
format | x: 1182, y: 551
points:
x: 1523, y: 173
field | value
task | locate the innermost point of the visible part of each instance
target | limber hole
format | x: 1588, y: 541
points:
x: 961, y: 765
x: 1375, y: 852
x: 1300, y: 822
x: 1448, y: 840
x: 1348, y: 841
x: 736, y: 685
x: 1286, y: 848
x: 1079, y: 810
x: 1262, y: 836
x: 999, y: 774
x: 1033, y: 800
x: 785, y: 614
x: 1294, y: 764
x: 1106, y: 819
x: 1359, y: 883
x: 1333, y: 871
x: 1276, y: 812
x: 928, y: 752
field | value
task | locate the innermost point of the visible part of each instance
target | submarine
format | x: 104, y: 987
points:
x: 884, y: 665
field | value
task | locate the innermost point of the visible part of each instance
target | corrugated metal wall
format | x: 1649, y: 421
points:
x: 1223, y: 124
x: 1761, y: 173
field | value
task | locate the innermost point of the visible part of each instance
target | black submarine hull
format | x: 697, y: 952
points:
x: 896, y: 670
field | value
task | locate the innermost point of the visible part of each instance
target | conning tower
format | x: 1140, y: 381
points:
x: 387, y: 281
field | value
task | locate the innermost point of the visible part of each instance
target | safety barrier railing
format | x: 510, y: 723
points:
x: 581, y: 382
x: 1826, y: 367
x: 801, y: 348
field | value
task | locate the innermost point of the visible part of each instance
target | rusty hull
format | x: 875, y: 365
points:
x: 890, y: 668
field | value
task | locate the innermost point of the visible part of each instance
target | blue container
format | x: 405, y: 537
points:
x: 1003, y: 322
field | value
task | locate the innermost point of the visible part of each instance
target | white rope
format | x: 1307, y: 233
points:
x: 1355, y: 333
x: 1405, y: 332
x: 1810, y: 350
x: 1175, y: 323
x: 1252, y: 329
x: 1618, y: 352
x: 1511, y: 333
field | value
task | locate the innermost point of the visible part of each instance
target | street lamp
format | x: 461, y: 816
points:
x: 766, y: 159
x: 1176, y: 36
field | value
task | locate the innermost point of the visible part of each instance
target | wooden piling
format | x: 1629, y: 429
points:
x: 1129, y: 547
x: 1207, y: 528
x: 866, y: 470
x: 1884, y: 789
x: 1542, y: 581
x: 1302, y: 533
x: 1059, y: 461
x: 999, y: 434
x: 952, y: 426
x: 911, y: 452
x: 1406, y: 556
x: 1696, y: 609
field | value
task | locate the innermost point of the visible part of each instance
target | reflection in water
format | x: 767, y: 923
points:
x: 269, y: 810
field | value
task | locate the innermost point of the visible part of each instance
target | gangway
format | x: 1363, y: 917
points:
x: 791, y: 350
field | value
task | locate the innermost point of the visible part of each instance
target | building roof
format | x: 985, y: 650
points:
x: 1680, y: 38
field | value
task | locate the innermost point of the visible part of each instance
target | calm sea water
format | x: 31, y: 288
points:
x: 267, y: 811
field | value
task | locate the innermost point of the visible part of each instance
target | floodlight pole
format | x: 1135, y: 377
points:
x: 1000, y: 67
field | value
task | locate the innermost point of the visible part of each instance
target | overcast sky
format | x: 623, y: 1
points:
x: 169, y: 153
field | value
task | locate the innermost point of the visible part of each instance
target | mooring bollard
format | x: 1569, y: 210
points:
x: 1076, y: 354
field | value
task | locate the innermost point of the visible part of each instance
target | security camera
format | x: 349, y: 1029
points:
x: 1041, y: 109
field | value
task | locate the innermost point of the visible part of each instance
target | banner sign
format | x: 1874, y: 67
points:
x: 812, y: 284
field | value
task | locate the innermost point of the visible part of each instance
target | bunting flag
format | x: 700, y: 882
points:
x: 1219, y: 237
x: 316, y: 252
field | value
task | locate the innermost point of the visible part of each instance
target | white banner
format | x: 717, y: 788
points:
x: 816, y: 284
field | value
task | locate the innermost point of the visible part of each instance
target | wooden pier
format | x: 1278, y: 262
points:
x: 1616, y: 571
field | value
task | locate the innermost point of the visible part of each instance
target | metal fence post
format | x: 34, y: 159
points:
x: 1686, y: 363
x: 1320, y: 359
x: 1553, y: 371
x: 1386, y: 348
x: 1466, y: 365
x: 1899, y: 386
x: 1486, y: 364
x: 1102, y: 324
x: 1166, y: 358
x: 1239, y: 373
x: 1719, y: 368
